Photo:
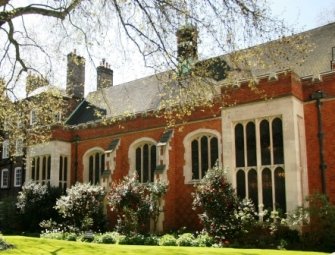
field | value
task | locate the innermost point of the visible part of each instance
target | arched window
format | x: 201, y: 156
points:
x: 251, y: 144
x: 239, y: 145
x: 264, y: 130
x: 205, y: 153
x: 277, y: 137
x: 145, y: 161
x: 263, y: 138
x: 95, y: 166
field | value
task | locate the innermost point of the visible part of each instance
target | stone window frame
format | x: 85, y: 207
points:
x: 187, y: 142
x: 132, y: 156
x: 86, y: 163
x: 18, y: 176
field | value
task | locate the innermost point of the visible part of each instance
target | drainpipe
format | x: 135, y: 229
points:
x: 76, y: 140
x: 317, y: 96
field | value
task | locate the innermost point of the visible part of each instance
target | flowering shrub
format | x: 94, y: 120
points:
x: 186, y: 239
x: 167, y: 240
x: 35, y: 203
x: 215, y: 196
x: 317, y: 222
x: 135, y: 203
x: 82, y: 207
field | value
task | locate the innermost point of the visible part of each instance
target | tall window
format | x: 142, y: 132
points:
x: 145, y: 161
x: 5, y: 149
x: 18, y: 177
x: 63, y: 165
x: 19, y: 147
x: 4, y: 178
x: 41, y: 169
x: 205, y: 151
x: 259, y: 155
x: 96, y: 164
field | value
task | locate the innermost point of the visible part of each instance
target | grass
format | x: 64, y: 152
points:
x: 36, y: 246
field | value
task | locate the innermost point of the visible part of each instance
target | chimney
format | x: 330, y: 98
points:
x: 332, y: 62
x: 104, y: 75
x: 75, y: 80
x: 187, y: 43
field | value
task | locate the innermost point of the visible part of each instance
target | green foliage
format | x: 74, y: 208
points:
x: 317, y: 222
x: 10, y: 218
x: 136, y: 239
x: 215, y: 196
x: 135, y: 204
x: 36, y: 203
x: 82, y: 207
x: 204, y: 240
x: 186, y: 239
x: 167, y: 240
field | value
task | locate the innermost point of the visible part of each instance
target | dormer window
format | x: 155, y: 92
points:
x: 5, y: 149
x: 33, y: 117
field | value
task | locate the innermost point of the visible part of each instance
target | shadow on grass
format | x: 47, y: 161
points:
x: 56, y: 251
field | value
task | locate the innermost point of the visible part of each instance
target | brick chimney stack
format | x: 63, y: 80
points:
x: 75, y: 81
x: 104, y: 75
x: 187, y: 43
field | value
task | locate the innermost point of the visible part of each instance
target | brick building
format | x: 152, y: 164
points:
x: 276, y: 150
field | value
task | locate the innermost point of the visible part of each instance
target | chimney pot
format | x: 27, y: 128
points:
x: 104, y: 75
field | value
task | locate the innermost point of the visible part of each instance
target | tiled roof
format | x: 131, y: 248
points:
x: 144, y: 94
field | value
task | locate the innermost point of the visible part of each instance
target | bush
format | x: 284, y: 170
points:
x: 71, y: 237
x: 186, y: 239
x: 36, y: 203
x: 10, y: 220
x: 136, y: 239
x: 317, y: 223
x: 82, y: 207
x: 108, y: 239
x: 167, y: 240
x: 215, y: 196
x: 204, y: 240
x: 135, y: 204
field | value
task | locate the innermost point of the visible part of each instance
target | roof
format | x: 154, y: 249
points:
x: 145, y: 94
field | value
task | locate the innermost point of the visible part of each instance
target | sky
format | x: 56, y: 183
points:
x: 304, y: 14
x: 301, y: 14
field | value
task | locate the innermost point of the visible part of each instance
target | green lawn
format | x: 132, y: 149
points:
x: 36, y: 246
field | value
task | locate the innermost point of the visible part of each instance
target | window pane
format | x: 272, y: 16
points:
x: 153, y: 162
x: 240, y: 179
x: 97, y: 168
x: 252, y: 187
x: 204, y: 155
x: 33, y: 169
x: 265, y: 142
x: 139, y: 163
x: 195, y: 160
x: 277, y: 137
x: 146, y: 163
x: 91, y: 162
x: 239, y: 145
x: 44, y: 167
x: 38, y: 169
x: 102, y: 164
x: 49, y: 167
x: 251, y: 144
x: 267, y: 189
x: 280, y: 189
x: 60, y: 177
x: 65, y: 169
x: 214, y: 151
